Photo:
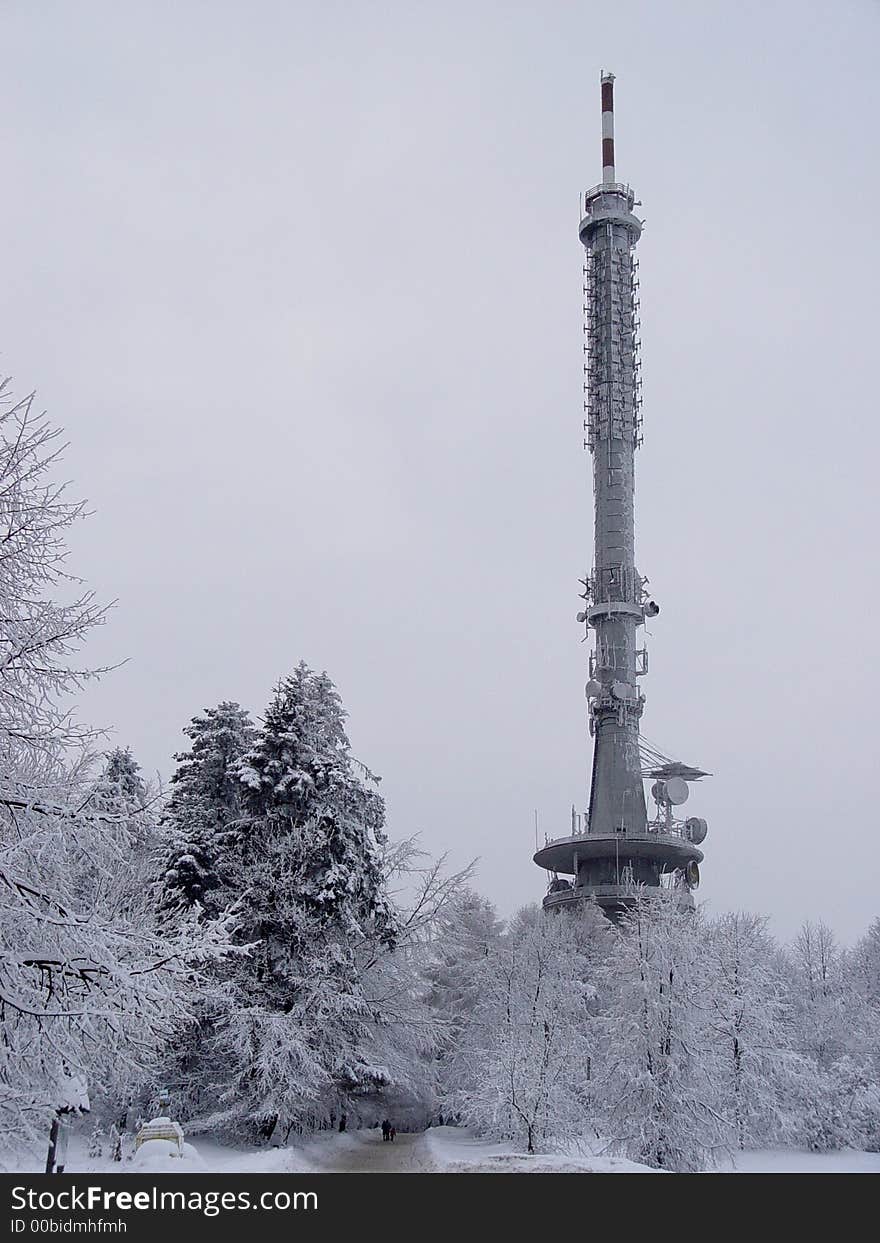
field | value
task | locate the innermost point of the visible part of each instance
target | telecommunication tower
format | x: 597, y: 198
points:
x: 614, y: 846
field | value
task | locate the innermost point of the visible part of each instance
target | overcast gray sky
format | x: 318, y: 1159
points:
x: 302, y: 283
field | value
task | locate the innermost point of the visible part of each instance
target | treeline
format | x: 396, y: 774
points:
x: 673, y: 1039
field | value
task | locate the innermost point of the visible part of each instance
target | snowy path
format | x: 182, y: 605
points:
x: 365, y: 1152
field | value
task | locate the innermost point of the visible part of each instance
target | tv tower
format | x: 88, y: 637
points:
x: 614, y: 846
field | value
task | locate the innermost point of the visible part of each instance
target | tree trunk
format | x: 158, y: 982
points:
x: 53, y: 1142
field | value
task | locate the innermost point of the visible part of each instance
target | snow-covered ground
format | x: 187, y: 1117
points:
x: 440, y: 1150
x: 454, y: 1150
x: 789, y: 1161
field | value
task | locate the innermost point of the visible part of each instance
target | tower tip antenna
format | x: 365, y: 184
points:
x: 608, y: 171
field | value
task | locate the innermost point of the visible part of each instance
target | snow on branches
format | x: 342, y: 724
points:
x: 199, y: 824
x: 90, y: 983
x: 325, y: 1011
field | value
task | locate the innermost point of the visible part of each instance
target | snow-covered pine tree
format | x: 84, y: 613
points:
x: 121, y: 795
x: 121, y: 779
x: 306, y: 864
x: 305, y: 793
x: 204, y: 807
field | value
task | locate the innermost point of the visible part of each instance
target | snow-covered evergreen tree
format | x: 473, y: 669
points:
x: 307, y: 796
x: 121, y: 797
x: 121, y: 779
x: 205, y: 804
x: 304, y: 864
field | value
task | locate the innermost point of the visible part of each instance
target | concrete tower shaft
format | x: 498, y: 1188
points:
x: 609, y: 231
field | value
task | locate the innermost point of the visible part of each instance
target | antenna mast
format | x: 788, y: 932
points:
x: 619, y: 841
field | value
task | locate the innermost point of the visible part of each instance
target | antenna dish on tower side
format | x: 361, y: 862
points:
x: 670, y: 792
x: 676, y: 791
x: 696, y: 829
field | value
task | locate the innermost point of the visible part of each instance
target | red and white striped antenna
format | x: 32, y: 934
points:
x: 608, y: 173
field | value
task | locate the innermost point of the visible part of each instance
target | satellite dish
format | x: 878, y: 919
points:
x: 622, y: 690
x: 692, y: 875
x: 593, y: 689
x: 676, y: 791
x: 658, y: 791
x: 652, y: 608
x: 696, y: 829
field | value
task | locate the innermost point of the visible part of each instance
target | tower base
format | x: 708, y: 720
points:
x: 611, y: 868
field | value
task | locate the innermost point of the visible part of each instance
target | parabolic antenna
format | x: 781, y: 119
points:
x: 593, y: 689
x: 696, y: 829
x: 692, y: 875
x: 676, y: 791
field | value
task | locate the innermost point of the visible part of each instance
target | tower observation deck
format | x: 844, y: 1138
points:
x: 614, y: 846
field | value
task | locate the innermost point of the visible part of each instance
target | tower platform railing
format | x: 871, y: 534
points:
x: 653, y: 830
x: 608, y: 187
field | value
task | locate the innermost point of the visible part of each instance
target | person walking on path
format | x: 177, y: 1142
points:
x: 386, y: 1129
